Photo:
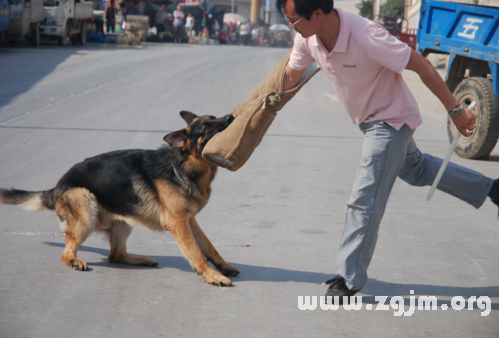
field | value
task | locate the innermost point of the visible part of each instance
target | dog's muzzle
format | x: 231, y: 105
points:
x: 228, y: 118
x: 226, y: 121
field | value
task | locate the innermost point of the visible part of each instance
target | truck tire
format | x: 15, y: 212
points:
x: 35, y: 36
x: 484, y: 138
x: 82, y: 36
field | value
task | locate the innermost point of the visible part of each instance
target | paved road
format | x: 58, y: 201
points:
x: 61, y: 105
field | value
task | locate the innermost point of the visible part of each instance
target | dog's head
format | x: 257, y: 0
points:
x: 200, y: 129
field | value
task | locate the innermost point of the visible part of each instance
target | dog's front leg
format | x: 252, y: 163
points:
x: 182, y: 233
x: 209, y: 250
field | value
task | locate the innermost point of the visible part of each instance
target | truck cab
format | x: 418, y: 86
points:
x: 25, y: 19
x: 66, y: 19
x: 4, y: 17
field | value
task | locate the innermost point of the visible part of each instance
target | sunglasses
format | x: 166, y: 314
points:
x: 293, y: 24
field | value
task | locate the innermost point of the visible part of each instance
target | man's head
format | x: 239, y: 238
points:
x: 179, y: 8
x: 305, y: 8
x: 305, y: 15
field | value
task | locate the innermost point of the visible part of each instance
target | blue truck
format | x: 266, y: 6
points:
x: 469, y: 34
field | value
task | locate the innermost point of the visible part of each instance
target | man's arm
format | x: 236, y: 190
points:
x: 292, y: 78
x: 430, y: 77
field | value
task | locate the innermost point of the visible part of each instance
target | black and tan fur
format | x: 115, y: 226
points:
x: 112, y: 192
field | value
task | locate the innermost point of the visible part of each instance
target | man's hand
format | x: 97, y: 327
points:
x: 465, y: 122
x: 291, y: 78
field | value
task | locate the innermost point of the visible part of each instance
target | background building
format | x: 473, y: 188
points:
x: 242, y: 7
x: 268, y: 12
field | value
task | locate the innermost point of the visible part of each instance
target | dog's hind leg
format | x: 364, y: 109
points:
x: 118, y: 234
x: 209, y: 250
x: 77, y: 211
x: 73, y: 243
x: 182, y: 233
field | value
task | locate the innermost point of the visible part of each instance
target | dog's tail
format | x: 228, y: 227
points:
x: 29, y: 200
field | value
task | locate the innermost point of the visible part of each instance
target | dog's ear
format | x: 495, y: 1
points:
x: 177, y: 139
x: 188, y: 116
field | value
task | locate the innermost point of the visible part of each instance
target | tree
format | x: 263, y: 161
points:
x: 393, y: 8
x: 365, y: 8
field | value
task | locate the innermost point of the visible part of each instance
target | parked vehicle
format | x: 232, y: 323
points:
x: 4, y: 17
x: 25, y: 19
x: 399, y: 28
x: 67, y: 20
x: 469, y: 34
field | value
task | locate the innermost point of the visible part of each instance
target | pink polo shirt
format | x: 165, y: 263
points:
x: 364, y: 67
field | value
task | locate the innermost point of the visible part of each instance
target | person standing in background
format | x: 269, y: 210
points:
x: 178, y: 24
x: 249, y: 29
x: 98, y: 19
x: 132, y: 9
x: 110, y: 17
x: 255, y: 35
x: 189, y: 24
x: 160, y: 19
x: 209, y: 24
x: 150, y: 12
x: 243, y: 34
x: 216, y: 29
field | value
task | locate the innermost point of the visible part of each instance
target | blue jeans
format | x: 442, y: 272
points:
x: 386, y: 154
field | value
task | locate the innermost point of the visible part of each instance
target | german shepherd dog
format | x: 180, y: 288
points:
x: 160, y: 189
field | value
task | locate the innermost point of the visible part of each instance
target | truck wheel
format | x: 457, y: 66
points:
x: 82, y: 37
x: 484, y: 138
x: 61, y: 40
x: 35, y: 36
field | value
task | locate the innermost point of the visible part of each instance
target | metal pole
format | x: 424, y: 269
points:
x: 254, y: 11
x: 376, y: 8
x: 267, y: 16
x: 232, y: 9
x: 446, y: 159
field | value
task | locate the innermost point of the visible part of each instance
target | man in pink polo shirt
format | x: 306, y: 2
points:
x: 364, y: 63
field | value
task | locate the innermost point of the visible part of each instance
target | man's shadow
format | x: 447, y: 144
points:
x: 372, y: 289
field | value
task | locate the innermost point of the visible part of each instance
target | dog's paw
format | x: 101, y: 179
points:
x: 147, y: 261
x: 133, y: 260
x: 76, y: 264
x: 215, y: 278
x: 227, y: 269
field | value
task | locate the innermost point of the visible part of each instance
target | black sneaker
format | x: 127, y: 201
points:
x: 494, y: 194
x: 339, y: 288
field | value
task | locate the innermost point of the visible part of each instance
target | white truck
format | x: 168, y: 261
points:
x: 25, y: 19
x: 66, y: 20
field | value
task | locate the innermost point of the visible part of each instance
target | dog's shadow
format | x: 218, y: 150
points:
x: 271, y: 274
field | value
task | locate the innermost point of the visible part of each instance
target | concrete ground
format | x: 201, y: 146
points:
x: 59, y: 106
